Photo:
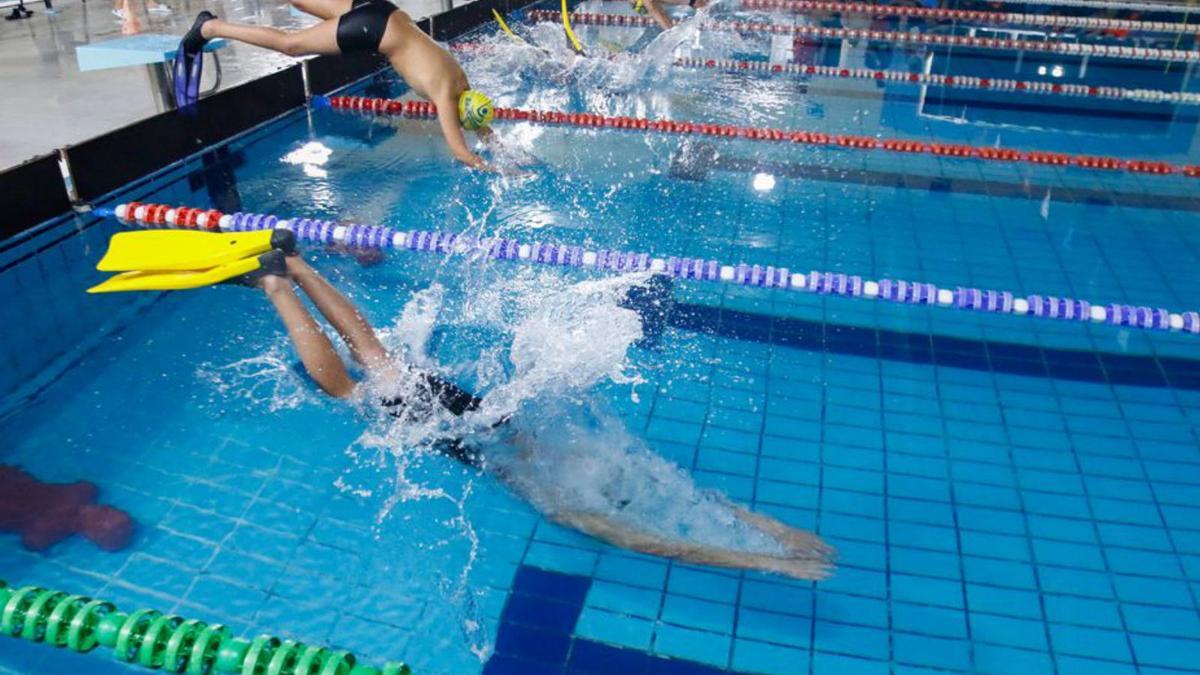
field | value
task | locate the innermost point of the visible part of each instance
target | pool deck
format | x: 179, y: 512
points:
x: 50, y: 102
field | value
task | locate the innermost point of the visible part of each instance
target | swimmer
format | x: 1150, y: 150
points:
x: 624, y: 510
x: 801, y: 554
x: 655, y: 9
x: 371, y: 26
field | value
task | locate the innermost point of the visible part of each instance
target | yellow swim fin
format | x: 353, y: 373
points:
x: 190, y: 250
x: 175, y: 280
x: 504, y: 27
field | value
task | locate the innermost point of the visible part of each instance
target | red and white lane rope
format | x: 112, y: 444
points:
x: 973, y: 16
x: 949, y: 81
x: 1121, y: 5
x: 822, y: 32
x: 424, y: 109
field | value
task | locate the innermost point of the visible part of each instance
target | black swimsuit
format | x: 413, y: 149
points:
x: 361, y: 29
x: 433, y: 390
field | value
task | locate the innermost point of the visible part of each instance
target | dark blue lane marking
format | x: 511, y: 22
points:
x: 985, y: 355
x: 535, y: 634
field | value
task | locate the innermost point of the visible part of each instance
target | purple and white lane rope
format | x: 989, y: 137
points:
x: 767, y: 276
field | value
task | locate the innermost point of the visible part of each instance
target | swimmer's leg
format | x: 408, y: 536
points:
x: 337, y: 309
x: 320, y: 360
x: 323, y: 9
x: 319, y: 39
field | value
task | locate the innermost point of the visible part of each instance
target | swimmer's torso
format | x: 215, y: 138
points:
x: 430, y: 70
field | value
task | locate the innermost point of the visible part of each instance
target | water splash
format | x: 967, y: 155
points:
x: 266, y: 383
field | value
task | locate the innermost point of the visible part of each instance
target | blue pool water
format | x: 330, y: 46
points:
x: 1007, y: 495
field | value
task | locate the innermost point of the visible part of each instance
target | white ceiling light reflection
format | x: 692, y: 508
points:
x: 764, y: 182
x: 310, y: 157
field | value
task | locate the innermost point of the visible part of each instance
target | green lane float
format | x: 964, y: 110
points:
x: 159, y: 641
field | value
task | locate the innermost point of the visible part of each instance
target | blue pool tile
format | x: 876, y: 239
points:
x: 564, y: 588
x: 1065, y: 554
x: 850, y: 640
x: 700, y: 614
x: 1074, y: 665
x: 1152, y: 591
x: 934, y: 621
x: 703, y: 584
x: 541, y: 613
x: 598, y: 659
x: 941, y: 592
x: 230, y: 599
x: 857, y: 582
x: 1003, y: 630
x: 1075, y: 582
x: 1166, y: 652
x: 923, y: 650
x: 984, y: 544
x: 783, y: 629
x: 646, y: 572
x: 1129, y: 561
x: 924, y: 536
x: 853, y: 503
x: 1162, y: 621
x: 501, y: 664
x: 530, y: 643
x: 565, y: 559
x: 996, y: 660
x: 1089, y: 642
x: 1060, y: 529
x: 625, y: 599
x: 824, y: 663
x: 784, y: 598
x: 761, y: 657
x: 158, y: 575
x: 1082, y: 611
x: 841, y: 608
x: 906, y: 560
x: 1133, y: 536
x: 615, y: 628
x: 692, y: 645
x: 839, y: 526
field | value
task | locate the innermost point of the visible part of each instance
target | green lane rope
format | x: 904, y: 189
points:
x: 155, y: 640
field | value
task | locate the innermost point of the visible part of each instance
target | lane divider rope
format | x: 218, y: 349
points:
x: 822, y: 32
x: 158, y: 641
x: 613, y: 260
x: 1034, y: 87
x: 1177, y: 8
x: 973, y: 16
x: 948, y: 81
x: 425, y: 110
x: 1166, y: 8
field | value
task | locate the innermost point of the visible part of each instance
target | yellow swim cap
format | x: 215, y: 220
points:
x: 474, y: 109
x: 639, y: 7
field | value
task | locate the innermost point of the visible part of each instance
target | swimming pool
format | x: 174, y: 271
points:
x: 1007, y: 494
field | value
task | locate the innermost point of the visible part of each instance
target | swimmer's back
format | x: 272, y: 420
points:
x: 430, y: 70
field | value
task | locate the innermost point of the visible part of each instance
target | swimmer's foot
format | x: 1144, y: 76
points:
x: 272, y: 263
x: 194, y: 40
x: 284, y: 240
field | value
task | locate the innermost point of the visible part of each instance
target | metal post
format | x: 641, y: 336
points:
x: 160, y: 84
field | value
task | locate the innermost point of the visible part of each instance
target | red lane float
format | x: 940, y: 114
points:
x: 424, y: 109
x: 974, y: 16
x: 950, y: 81
x: 822, y: 32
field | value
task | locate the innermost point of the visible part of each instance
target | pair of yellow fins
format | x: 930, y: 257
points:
x: 171, y: 260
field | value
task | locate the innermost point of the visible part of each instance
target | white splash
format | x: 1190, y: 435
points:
x: 268, y: 382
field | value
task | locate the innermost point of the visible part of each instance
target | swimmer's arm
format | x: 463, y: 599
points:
x: 605, y: 529
x: 660, y: 15
x: 448, y: 119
